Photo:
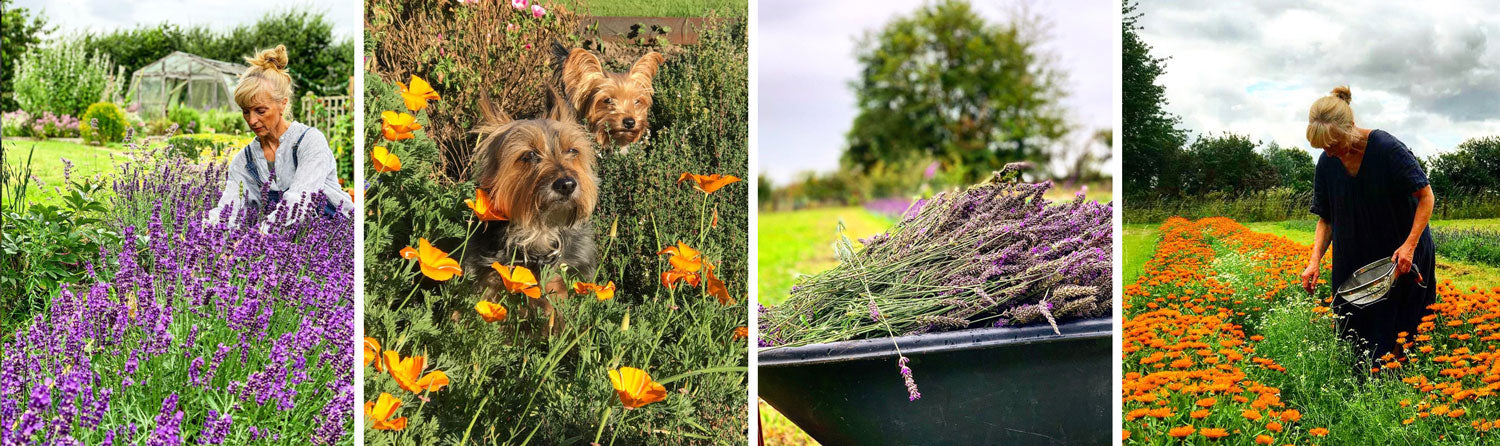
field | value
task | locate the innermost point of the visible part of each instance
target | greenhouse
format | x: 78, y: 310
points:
x: 182, y: 79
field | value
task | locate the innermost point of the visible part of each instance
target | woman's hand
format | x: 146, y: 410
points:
x: 1402, y: 258
x: 1310, y: 277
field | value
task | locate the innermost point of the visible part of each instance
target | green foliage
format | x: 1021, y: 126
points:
x: 1470, y: 245
x: 188, y: 119
x: 1225, y: 164
x: 222, y: 121
x: 942, y: 82
x: 20, y: 31
x: 1472, y: 168
x: 1294, y: 167
x: 207, y: 145
x: 110, y: 123
x: 63, y: 78
x: 512, y: 380
x: 44, y: 245
x: 1152, y: 139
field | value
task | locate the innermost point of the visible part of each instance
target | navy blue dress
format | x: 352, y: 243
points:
x: 1371, y: 214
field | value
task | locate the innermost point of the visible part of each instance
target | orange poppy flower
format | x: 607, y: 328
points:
x: 605, y: 292
x: 707, y: 183
x: 740, y: 333
x: 384, y: 160
x: 518, y: 279
x: 481, y: 206
x: 398, y: 126
x: 670, y: 278
x: 1214, y: 432
x: 435, y: 263
x: 716, y: 288
x: 1181, y: 431
x: 635, y: 388
x: 490, y: 311
x: 683, y: 257
x: 372, y: 352
x: 408, y: 373
x: 417, y: 96
x: 381, y: 410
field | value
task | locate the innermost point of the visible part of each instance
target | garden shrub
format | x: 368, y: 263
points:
x: 15, y: 123
x: 223, y: 121
x: 63, y: 78
x: 510, y: 380
x: 188, y: 119
x: 103, y: 123
x: 207, y: 145
x: 1469, y: 245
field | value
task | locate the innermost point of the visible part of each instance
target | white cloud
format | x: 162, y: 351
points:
x: 108, y: 15
x: 1429, y: 73
x: 805, y: 59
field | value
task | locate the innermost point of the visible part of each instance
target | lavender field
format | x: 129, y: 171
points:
x: 183, y: 331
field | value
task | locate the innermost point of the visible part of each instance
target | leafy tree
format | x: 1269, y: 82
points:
x: 1228, y: 164
x: 1294, y: 167
x: 19, y: 32
x: 1473, y: 168
x: 943, y: 83
x: 1153, y: 143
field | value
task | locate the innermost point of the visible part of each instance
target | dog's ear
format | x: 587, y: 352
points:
x: 645, y: 69
x: 492, y: 115
x: 558, y: 107
x: 559, y: 55
x: 581, y: 66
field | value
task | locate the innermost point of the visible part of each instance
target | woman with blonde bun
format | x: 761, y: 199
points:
x: 1373, y: 201
x: 287, y: 161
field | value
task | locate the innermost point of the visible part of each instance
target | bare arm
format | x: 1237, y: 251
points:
x: 1321, y: 238
x: 1403, y: 255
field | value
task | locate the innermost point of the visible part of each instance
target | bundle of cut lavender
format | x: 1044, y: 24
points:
x: 997, y: 254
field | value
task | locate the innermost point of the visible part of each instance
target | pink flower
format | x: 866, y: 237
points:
x: 511, y: 28
x: 526, y: 46
x: 520, y: 5
x: 537, y: 11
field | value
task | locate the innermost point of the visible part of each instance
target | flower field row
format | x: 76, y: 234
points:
x: 1221, y: 345
x: 188, y: 332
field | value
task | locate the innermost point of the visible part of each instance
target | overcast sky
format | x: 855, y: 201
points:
x: 805, y: 60
x: 107, y: 15
x: 1427, y: 72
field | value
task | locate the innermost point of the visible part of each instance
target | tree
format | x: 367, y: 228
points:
x: 1153, y: 143
x: 1473, y: 168
x: 1227, y: 164
x: 944, y: 83
x: 19, y: 32
x: 1294, y: 167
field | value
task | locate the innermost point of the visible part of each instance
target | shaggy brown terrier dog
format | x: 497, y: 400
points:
x: 539, y: 173
x: 612, y: 105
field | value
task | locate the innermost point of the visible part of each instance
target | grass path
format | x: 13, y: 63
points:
x: 667, y: 8
x: 47, y: 165
x: 800, y: 242
x: 1138, y: 242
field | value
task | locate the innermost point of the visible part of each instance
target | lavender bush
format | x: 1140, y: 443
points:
x: 187, y: 332
x: 996, y: 254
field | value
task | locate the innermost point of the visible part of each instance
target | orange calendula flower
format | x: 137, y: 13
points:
x: 707, y: 183
x: 417, y: 96
x: 435, y: 263
x: 740, y: 333
x: 683, y: 257
x: 1264, y: 439
x: 408, y: 373
x: 605, y: 292
x: 1207, y: 402
x: 490, y: 311
x: 381, y: 410
x: 716, y: 288
x: 481, y: 206
x: 1181, y: 431
x: 372, y: 352
x: 670, y: 278
x: 1213, y: 432
x: 1318, y: 432
x: 398, y: 126
x: 518, y: 279
x: 635, y: 388
x: 384, y: 160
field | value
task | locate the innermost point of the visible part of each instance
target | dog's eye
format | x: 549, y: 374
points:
x: 532, y: 157
x: 573, y: 151
x: 637, y: 101
x: 610, y: 101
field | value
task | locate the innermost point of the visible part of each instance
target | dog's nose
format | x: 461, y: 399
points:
x: 564, y: 185
x: 629, y: 123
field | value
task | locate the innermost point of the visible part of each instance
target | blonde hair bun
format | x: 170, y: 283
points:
x: 270, y: 59
x: 1342, y: 92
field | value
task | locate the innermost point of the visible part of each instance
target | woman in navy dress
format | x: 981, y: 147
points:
x: 1373, y: 201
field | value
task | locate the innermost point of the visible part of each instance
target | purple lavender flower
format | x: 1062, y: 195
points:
x: 911, y: 385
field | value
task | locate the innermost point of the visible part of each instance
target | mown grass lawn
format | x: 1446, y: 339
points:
x: 664, y: 8
x: 47, y: 165
x: 1138, y: 243
x: 800, y: 242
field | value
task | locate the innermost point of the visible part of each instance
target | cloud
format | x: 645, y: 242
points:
x: 1430, y: 75
x: 804, y: 56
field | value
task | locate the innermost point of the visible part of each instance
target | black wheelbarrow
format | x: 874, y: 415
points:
x: 992, y: 386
